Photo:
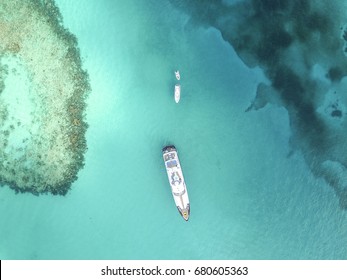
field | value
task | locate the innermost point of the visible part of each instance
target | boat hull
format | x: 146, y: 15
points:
x: 177, y: 93
x: 176, y: 180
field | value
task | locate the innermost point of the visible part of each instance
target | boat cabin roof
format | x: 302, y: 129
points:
x: 171, y: 164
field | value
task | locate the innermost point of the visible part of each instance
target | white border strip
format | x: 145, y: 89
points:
x: 93, y: 270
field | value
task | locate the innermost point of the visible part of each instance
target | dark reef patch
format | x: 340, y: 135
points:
x: 287, y: 39
x: 336, y: 113
x: 270, y: 6
x: 335, y: 74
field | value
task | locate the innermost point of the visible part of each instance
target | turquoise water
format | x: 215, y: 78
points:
x: 249, y: 199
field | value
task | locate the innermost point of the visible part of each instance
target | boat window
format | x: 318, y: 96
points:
x: 169, y: 156
x: 171, y: 164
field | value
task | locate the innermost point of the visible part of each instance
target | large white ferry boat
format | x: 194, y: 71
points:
x: 176, y: 179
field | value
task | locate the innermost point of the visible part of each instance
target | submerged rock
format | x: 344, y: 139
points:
x: 42, y: 99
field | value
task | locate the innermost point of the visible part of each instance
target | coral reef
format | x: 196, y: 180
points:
x: 42, y: 99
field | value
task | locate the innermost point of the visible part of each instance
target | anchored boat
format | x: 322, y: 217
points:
x: 176, y: 179
x: 177, y: 74
x: 177, y: 87
x: 177, y: 93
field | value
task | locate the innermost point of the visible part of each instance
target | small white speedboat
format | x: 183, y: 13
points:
x: 177, y: 93
x: 176, y: 179
x: 177, y: 74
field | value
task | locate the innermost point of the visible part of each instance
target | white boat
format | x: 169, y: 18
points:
x: 177, y: 93
x: 176, y: 179
x: 177, y: 74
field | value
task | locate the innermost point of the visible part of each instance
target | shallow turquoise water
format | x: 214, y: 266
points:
x: 249, y: 200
